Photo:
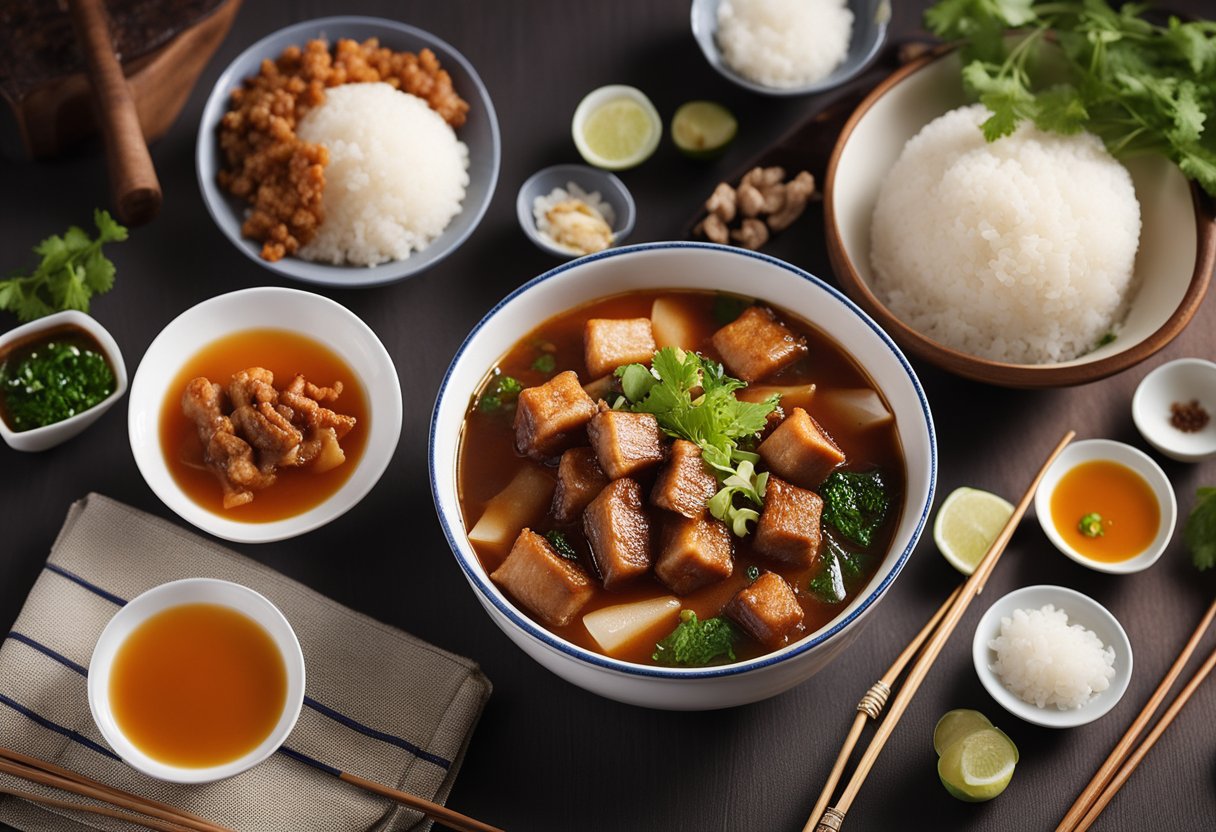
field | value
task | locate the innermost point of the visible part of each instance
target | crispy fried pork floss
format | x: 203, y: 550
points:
x: 226, y: 454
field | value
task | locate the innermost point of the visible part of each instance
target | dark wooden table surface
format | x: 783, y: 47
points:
x: 547, y: 755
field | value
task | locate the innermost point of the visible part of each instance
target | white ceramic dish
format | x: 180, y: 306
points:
x: 870, y: 19
x: 174, y: 594
x: 592, y: 180
x: 697, y: 266
x: 39, y: 439
x: 479, y: 133
x: 1140, y: 462
x: 1182, y: 381
x: 1081, y: 610
x: 311, y: 315
x: 1173, y: 266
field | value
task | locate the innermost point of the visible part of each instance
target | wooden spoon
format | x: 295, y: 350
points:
x: 136, y: 190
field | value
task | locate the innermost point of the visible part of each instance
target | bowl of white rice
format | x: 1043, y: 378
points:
x: 1037, y: 260
x: 1052, y: 656
x: 403, y: 189
x: 790, y: 47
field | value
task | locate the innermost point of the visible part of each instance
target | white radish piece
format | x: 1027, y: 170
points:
x: 797, y: 395
x: 525, y: 500
x: 862, y: 407
x: 671, y: 325
x: 613, y: 627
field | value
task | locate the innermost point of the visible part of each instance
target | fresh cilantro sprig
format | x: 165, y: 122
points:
x: 73, y: 269
x: 715, y: 419
x: 1200, y: 532
x: 695, y: 643
x: 1142, y: 87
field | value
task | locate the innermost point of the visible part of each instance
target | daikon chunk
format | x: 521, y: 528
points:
x: 862, y: 407
x: 614, y: 627
x: 797, y: 395
x: 524, y: 501
x: 671, y: 325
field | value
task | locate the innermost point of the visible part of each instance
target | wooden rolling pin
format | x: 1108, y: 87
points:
x: 137, y: 194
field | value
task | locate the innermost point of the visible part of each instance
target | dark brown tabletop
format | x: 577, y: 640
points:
x: 548, y: 755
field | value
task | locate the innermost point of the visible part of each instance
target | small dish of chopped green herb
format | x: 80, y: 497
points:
x: 58, y: 374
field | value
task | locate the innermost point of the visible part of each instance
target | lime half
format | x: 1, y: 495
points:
x: 967, y: 523
x: 703, y: 129
x: 979, y: 766
x: 616, y: 127
x: 955, y: 725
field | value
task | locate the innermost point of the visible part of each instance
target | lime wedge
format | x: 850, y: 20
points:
x: 703, y: 129
x: 966, y: 525
x: 616, y: 128
x: 979, y: 766
x: 955, y: 725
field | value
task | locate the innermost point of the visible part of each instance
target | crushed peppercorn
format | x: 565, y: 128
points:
x: 1189, y: 417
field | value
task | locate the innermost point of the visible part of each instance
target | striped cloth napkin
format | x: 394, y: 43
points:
x: 380, y: 703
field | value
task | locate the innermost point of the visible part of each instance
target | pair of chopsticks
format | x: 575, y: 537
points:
x: 151, y: 814
x: 928, y: 643
x: 1122, y: 761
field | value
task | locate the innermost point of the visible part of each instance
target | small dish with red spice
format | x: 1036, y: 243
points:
x: 1174, y: 409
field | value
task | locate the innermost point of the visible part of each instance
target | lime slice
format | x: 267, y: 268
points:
x: 966, y: 525
x: 703, y: 129
x: 955, y: 725
x: 979, y: 766
x: 616, y: 127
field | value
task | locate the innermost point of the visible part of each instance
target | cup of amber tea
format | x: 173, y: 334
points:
x: 196, y: 680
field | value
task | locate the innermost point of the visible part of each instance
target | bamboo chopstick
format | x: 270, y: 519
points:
x: 106, y: 811
x: 1118, y: 755
x: 459, y: 822
x: 871, y: 706
x: 833, y: 817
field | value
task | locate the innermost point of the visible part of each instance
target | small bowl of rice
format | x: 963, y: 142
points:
x: 385, y: 164
x: 1037, y: 260
x: 600, y: 196
x: 790, y: 47
x: 1052, y: 656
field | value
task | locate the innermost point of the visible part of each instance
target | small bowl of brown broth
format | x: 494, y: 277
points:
x: 196, y: 680
x: 1107, y: 506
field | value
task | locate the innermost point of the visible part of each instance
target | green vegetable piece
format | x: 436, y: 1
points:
x: 727, y: 308
x: 827, y: 586
x: 55, y: 382
x: 545, y: 363
x: 1108, y: 338
x: 1200, y: 531
x: 753, y: 572
x: 1091, y: 525
x: 499, y: 394
x: 695, y: 643
x: 561, y: 545
x: 855, y: 504
x: 72, y: 270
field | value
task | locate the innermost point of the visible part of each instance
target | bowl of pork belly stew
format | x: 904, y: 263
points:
x: 680, y: 475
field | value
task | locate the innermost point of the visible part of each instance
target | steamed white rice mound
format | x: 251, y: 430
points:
x: 784, y: 43
x: 1048, y: 662
x: 395, y: 179
x: 1020, y: 250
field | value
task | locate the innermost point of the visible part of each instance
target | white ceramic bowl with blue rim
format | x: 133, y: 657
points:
x: 702, y: 267
x: 870, y: 19
x: 479, y: 133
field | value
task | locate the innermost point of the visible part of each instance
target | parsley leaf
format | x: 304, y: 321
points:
x: 1200, y: 532
x: 695, y: 643
x: 561, y: 545
x: 855, y: 504
x: 72, y: 270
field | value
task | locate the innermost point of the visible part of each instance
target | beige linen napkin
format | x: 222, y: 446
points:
x: 380, y: 703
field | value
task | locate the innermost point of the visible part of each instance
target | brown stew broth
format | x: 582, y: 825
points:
x: 488, y: 462
x: 285, y: 354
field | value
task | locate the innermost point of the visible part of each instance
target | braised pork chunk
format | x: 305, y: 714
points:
x: 609, y: 343
x: 767, y: 610
x: 695, y: 554
x: 800, y: 450
x: 551, y: 587
x: 618, y: 531
x: 789, y: 527
x: 685, y: 484
x: 579, y: 480
x: 625, y: 443
x: 550, y: 418
x: 755, y: 345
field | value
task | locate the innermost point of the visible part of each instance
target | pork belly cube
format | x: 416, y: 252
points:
x: 685, y: 484
x: 799, y: 450
x: 789, y: 528
x: 625, y: 443
x: 579, y: 479
x: 550, y: 418
x: 767, y: 610
x: 696, y: 553
x: 618, y: 531
x: 755, y: 345
x: 553, y: 588
x: 609, y: 343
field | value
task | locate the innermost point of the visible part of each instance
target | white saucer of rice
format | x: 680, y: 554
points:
x: 396, y: 175
x: 1020, y: 250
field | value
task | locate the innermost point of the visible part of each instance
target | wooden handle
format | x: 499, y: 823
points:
x: 137, y: 194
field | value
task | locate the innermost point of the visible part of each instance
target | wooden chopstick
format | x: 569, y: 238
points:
x: 833, y: 817
x: 107, y: 811
x: 871, y: 706
x: 459, y: 822
x: 1102, y: 779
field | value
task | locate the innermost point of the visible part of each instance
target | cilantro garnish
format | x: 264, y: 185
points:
x: 545, y: 363
x: 561, y: 545
x: 72, y: 270
x: 1140, y: 86
x: 1200, y: 532
x: 499, y: 394
x: 694, y: 643
x: 855, y: 503
x: 715, y: 420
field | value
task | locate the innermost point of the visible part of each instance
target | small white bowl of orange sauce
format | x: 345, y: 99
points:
x: 1107, y: 506
x: 196, y: 680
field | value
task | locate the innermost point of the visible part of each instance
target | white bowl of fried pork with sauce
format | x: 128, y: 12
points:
x: 680, y: 475
x: 254, y: 429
